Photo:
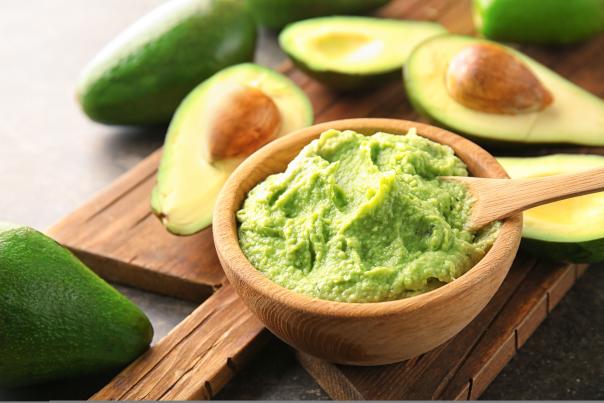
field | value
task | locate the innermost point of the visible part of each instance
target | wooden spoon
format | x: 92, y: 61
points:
x: 500, y: 198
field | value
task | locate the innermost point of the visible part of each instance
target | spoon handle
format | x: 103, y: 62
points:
x: 501, y: 198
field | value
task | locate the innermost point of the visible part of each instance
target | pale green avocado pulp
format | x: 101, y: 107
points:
x: 350, y: 53
x: 363, y: 219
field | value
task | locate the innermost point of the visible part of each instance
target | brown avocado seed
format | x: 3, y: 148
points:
x: 241, y: 120
x: 488, y: 78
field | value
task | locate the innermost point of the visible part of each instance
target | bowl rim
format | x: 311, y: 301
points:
x: 238, y: 268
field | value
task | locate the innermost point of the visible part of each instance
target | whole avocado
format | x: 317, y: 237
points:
x: 276, y: 14
x: 539, y: 21
x: 58, y: 319
x: 144, y: 73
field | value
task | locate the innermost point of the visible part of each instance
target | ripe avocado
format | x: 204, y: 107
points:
x: 144, y: 73
x: 57, y: 318
x: 571, y: 229
x: 573, y: 115
x: 218, y: 124
x: 276, y: 14
x: 539, y: 21
x: 350, y: 53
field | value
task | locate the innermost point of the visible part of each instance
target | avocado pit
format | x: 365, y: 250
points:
x: 488, y: 78
x: 242, y: 120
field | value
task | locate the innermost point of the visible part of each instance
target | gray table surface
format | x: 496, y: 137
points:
x: 53, y: 159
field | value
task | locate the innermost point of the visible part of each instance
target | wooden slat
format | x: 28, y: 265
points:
x: 465, y: 365
x: 491, y: 354
x: 422, y: 379
x: 118, y: 237
x: 197, y: 358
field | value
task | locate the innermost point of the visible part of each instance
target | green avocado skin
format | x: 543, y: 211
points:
x: 579, y: 252
x: 175, y: 48
x: 347, y: 83
x: 276, y: 14
x: 58, y: 319
x: 539, y: 21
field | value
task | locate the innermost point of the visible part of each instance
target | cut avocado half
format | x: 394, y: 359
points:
x: 571, y: 229
x: 218, y: 124
x: 276, y: 14
x: 349, y: 53
x: 573, y: 116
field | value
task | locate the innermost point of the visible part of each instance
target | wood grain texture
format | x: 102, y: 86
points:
x: 463, y: 367
x: 197, y: 358
x: 335, y: 331
x: 115, y: 234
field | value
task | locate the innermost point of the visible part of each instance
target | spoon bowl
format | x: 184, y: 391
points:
x: 373, y: 333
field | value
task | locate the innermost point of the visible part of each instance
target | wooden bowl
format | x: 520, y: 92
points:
x: 360, y: 333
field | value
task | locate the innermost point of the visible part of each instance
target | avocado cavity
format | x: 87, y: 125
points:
x: 350, y: 53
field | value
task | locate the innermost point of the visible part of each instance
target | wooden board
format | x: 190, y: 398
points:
x: 464, y: 366
x: 116, y: 235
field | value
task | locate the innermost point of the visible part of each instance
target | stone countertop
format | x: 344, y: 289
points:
x: 53, y: 159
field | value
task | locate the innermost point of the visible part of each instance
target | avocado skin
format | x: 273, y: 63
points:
x: 347, y: 82
x: 539, y: 21
x: 57, y: 318
x: 276, y: 14
x: 145, y: 84
x: 579, y: 252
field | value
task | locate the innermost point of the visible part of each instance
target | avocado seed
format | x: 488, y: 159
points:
x: 488, y: 78
x: 241, y: 120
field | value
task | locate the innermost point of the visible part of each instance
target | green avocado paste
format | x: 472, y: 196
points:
x: 359, y: 218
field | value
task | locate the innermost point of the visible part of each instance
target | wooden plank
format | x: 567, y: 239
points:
x: 465, y: 365
x: 518, y: 311
x: 424, y: 377
x: 197, y: 358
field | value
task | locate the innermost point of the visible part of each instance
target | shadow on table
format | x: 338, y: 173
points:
x: 74, y: 389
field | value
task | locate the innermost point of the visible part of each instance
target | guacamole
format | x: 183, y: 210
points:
x: 363, y: 219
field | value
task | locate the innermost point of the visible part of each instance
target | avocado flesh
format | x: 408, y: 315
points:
x: 575, y: 116
x: 58, y: 319
x: 571, y: 229
x: 144, y: 73
x: 539, y: 21
x: 349, y: 53
x: 276, y: 14
x: 187, y: 184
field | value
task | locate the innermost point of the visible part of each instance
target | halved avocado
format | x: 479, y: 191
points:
x: 217, y: 125
x: 349, y: 53
x: 571, y: 229
x: 572, y: 115
x: 276, y: 14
